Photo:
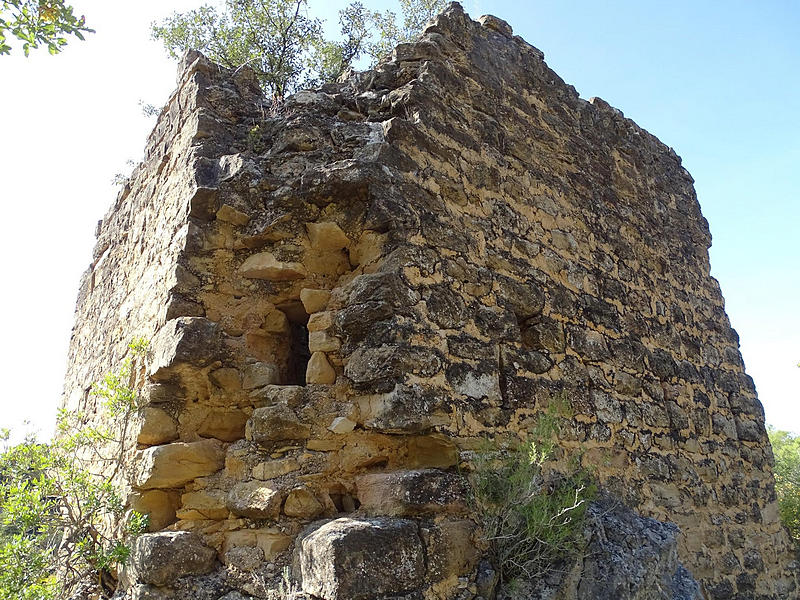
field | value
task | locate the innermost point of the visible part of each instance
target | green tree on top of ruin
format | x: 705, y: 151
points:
x: 39, y: 23
x: 284, y: 45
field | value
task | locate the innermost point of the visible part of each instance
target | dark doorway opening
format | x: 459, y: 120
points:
x: 299, y: 353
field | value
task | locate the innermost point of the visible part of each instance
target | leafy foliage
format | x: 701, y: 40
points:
x: 57, y: 516
x: 39, y: 23
x: 531, y: 520
x: 415, y: 14
x: 786, y: 448
x: 283, y: 44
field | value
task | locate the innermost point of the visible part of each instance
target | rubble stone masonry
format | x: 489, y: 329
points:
x: 343, y: 297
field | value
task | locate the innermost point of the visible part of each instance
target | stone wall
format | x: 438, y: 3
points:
x: 345, y: 296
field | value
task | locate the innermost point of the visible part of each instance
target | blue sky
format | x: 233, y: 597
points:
x: 718, y: 81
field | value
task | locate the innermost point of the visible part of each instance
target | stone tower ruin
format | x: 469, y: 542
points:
x: 345, y: 296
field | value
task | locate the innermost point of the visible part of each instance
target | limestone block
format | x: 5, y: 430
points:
x: 158, y: 427
x: 272, y: 542
x: 161, y: 558
x: 186, y: 340
x: 227, y: 378
x: 341, y: 425
x: 324, y: 445
x: 223, y: 424
x: 255, y: 500
x: 259, y: 374
x: 407, y: 493
x: 275, y: 468
x: 359, y: 559
x: 158, y: 505
x: 450, y: 548
x: 269, y: 540
x: 381, y: 287
x: 326, y: 236
x: 319, y: 370
x: 322, y: 341
x: 545, y: 335
x: 290, y: 395
x: 406, y: 409
x: 314, y: 300
x: 203, y: 504
x: 275, y: 322
x: 368, y: 249
x: 160, y: 393
x: 275, y: 423
x: 432, y: 451
x: 320, y: 321
x: 378, y: 369
x: 750, y: 431
x: 264, y: 265
x: 203, y: 203
x: 243, y: 558
x: 231, y: 215
x: 302, y: 504
x: 173, y: 465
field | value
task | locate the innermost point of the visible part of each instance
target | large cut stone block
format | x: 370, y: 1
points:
x: 174, y: 465
x: 161, y: 558
x: 354, y: 559
x: 406, y: 409
x: 186, y: 340
x: 411, y: 492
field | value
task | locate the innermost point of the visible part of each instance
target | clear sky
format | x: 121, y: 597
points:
x: 718, y: 81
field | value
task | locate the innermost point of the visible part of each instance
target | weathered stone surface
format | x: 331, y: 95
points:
x: 450, y: 548
x: 227, y: 425
x: 275, y: 468
x: 231, y: 215
x: 203, y: 504
x: 173, y: 465
x: 647, y: 569
x: 406, y: 409
x: 302, y: 504
x: 327, y: 236
x: 406, y: 493
x: 265, y: 266
x: 341, y: 425
x: 161, y: 558
x: 314, y: 300
x: 349, y: 559
x: 319, y: 370
x: 628, y: 557
x: 260, y: 374
x: 255, y: 500
x: 269, y: 540
x: 432, y: 451
x: 274, y: 424
x: 289, y: 395
x: 157, y: 427
x: 467, y: 243
x: 158, y: 505
x: 194, y: 341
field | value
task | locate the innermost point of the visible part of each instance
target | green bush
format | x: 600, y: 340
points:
x: 531, y: 520
x: 786, y: 448
x: 59, y: 517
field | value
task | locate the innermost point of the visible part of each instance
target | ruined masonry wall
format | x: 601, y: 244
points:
x: 344, y: 298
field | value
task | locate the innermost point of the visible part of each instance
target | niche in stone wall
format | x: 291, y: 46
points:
x: 298, y: 353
